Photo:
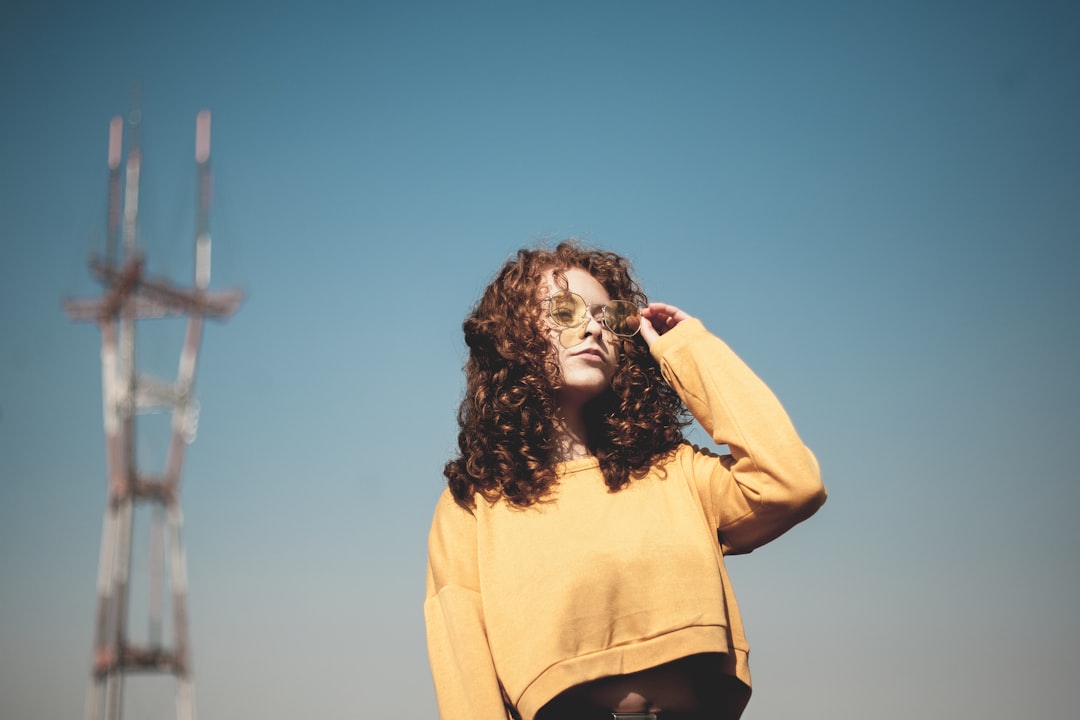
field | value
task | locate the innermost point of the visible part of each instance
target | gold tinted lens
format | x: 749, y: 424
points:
x: 567, y: 308
x: 622, y: 317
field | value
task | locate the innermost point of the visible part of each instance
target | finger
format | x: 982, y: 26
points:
x: 648, y: 332
x: 663, y: 316
x: 658, y: 307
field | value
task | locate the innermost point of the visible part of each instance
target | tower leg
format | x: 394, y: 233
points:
x: 185, y: 692
x: 121, y: 564
x: 157, y: 578
x: 104, y: 654
x: 185, y: 699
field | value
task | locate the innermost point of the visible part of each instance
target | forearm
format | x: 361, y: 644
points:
x: 771, y: 480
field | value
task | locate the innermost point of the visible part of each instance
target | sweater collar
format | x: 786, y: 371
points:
x: 574, y: 466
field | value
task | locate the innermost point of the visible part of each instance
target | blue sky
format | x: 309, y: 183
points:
x: 875, y: 204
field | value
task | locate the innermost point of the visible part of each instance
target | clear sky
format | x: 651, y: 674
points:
x: 876, y: 204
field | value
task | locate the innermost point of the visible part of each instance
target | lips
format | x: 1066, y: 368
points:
x: 590, y: 353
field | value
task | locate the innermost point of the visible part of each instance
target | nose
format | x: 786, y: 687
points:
x: 594, y: 325
x: 576, y: 334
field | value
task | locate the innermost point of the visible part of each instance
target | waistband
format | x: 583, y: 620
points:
x: 654, y: 716
x: 661, y: 715
x: 593, y: 713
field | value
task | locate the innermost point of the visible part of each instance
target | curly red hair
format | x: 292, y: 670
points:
x: 507, y: 435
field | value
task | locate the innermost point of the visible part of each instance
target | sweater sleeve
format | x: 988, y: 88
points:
x: 466, y: 686
x: 770, y: 481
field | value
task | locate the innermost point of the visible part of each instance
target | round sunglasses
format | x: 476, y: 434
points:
x: 568, y: 309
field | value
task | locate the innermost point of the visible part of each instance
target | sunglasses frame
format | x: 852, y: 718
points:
x: 550, y: 300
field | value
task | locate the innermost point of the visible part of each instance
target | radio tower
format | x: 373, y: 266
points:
x: 130, y: 295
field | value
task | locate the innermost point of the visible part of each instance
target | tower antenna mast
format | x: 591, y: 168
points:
x: 130, y: 295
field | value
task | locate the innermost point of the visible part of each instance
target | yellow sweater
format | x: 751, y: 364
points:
x: 523, y: 604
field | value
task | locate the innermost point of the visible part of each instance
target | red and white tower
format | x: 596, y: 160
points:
x: 129, y: 296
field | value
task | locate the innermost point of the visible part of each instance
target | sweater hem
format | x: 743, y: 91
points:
x: 626, y: 659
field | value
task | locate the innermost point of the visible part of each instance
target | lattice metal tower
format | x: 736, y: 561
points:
x: 130, y: 295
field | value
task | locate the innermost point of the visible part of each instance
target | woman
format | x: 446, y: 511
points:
x: 576, y: 560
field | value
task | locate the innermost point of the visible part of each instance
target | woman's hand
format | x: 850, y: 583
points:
x: 657, y: 319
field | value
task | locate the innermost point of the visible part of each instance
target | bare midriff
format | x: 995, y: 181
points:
x: 691, y: 684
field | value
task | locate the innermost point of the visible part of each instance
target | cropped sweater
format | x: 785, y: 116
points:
x: 523, y: 604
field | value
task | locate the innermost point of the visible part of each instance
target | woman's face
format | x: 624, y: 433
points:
x: 587, y: 354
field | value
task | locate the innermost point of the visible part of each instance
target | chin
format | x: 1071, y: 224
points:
x: 595, y: 382
x: 586, y: 390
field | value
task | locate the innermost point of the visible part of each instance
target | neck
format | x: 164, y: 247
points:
x: 572, y: 434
